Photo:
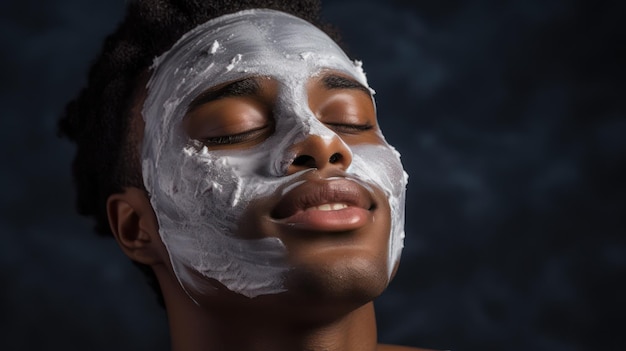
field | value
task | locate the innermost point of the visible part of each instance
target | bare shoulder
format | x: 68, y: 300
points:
x: 382, y: 347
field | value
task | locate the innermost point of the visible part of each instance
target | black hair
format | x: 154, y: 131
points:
x: 98, y: 120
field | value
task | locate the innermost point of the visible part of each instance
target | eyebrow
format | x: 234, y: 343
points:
x: 334, y: 81
x: 245, y: 87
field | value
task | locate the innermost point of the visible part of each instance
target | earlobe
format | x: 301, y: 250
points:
x: 134, y: 225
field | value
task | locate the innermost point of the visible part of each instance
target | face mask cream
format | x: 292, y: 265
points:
x: 199, y: 194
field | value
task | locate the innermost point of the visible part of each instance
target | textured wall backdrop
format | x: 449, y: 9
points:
x: 510, y: 116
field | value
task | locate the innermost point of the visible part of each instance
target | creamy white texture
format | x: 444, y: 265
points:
x: 198, y: 194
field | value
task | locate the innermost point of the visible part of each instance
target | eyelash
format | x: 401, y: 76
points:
x: 235, y: 138
x: 350, y: 128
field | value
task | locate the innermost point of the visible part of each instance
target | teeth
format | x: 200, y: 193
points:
x: 330, y: 207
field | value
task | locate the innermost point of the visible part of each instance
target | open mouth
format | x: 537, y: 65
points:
x: 328, y: 205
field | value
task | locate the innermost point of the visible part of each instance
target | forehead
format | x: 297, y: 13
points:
x: 250, y: 43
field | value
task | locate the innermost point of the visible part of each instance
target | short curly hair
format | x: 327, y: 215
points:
x: 98, y: 120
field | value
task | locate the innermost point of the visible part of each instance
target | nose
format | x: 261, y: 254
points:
x: 318, y: 152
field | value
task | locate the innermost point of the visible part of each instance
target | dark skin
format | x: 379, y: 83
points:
x: 337, y: 273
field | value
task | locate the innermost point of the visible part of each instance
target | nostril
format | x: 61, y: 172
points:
x: 304, y: 160
x: 334, y: 158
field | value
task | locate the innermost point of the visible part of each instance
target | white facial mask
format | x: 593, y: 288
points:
x: 199, y: 195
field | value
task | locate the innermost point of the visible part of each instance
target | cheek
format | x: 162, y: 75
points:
x: 380, y: 165
x: 209, y: 189
x: 191, y: 187
x: 199, y: 203
x: 220, y: 185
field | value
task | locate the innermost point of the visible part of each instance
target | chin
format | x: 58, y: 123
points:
x: 345, y: 281
x: 315, y: 293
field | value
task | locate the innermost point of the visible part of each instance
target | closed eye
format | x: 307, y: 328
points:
x: 345, y: 128
x: 250, y: 136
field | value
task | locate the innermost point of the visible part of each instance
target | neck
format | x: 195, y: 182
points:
x: 197, y: 328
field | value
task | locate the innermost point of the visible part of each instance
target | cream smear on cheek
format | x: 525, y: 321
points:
x: 198, y: 194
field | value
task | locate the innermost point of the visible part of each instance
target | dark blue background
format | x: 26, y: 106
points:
x: 510, y: 116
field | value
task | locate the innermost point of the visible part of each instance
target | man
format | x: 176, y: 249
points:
x: 243, y: 169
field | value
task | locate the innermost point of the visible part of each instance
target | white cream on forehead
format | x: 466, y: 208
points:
x: 199, y: 195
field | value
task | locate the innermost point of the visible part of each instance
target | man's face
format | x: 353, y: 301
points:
x: 264, y: 161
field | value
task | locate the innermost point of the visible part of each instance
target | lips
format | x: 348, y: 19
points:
x: 325, y: 205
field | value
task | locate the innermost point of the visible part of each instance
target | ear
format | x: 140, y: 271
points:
x: 134, y: 226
